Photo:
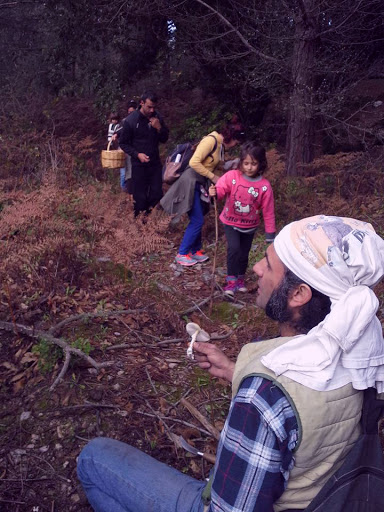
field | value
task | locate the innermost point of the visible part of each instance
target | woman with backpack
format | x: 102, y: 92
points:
x: 189, y: 194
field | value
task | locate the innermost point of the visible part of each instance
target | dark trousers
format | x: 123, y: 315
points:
x: 147, y: 186
x: 238, y: 247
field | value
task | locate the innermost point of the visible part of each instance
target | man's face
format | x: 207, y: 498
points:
x: 270, y: 271
x: 147, y: 108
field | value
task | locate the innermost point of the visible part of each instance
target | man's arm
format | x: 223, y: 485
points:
x: 158, y: 123
x: 164, y: 132
x: 125, y: 139
x: 268, y: 210
x: 255, y: 451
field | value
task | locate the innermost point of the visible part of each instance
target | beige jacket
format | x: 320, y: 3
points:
x: 328, y: 425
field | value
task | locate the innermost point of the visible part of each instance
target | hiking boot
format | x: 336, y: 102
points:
x: 185, y: 260
x: 240, y: 285
x: 200, y: 256
x: 230, y: 287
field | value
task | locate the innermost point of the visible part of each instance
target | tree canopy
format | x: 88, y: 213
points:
x: 302, y: 57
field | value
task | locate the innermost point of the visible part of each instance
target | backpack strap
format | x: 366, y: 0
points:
x: 373, y: 410
x: 210, y: 154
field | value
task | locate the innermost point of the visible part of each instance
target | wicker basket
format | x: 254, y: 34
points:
x: 112, y: 158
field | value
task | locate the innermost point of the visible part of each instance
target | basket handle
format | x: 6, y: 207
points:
x: 109, y: 145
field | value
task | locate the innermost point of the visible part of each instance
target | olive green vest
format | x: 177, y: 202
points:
x: 328, y: 425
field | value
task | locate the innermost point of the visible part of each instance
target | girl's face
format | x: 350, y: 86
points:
x: 250, y: 167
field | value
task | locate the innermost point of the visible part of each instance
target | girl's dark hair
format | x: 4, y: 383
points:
x: 233, y: 131
x: 114, y: 115
x: 257, y: 152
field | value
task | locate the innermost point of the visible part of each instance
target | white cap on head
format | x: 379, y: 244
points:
x: 342, y: 258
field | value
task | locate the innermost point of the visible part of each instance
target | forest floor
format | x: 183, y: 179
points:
x: 76, y: 267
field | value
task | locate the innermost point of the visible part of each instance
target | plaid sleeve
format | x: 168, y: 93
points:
x: 255, y: 449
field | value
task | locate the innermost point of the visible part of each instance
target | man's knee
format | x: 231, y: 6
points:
x: 96, y: 449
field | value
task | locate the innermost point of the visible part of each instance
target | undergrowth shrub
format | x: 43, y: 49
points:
x: 55, y: 240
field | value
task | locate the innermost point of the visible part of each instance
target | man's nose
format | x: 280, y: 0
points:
x: 257, y: 268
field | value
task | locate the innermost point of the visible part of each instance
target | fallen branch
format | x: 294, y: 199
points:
x: 68, y: 349
x: 63, y: 370
x: 198, y: 305
x: 147, y: 345
x: 54, y: 330
x: 89, y: 405
x: 174, y: 420
x: 203, y: 420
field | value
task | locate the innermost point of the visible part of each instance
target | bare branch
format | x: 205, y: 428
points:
x: 246, y: 43
x: 85, y: 316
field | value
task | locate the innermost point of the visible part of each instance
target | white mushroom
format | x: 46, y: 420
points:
x: 197, y: 334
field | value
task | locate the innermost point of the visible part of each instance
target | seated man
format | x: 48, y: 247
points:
x: 296, y: 399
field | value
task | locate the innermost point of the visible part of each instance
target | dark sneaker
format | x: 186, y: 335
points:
x: 230, y: 287
x: 185, y: 260
x: 240, y: 285
x: 200, y: 256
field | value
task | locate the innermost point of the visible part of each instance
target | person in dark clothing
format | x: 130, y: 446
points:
x: 142, y: 132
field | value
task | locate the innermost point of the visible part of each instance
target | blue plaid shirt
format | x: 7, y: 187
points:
x: 255, y: 451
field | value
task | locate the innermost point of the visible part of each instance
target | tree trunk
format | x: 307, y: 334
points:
x: 300, y: 133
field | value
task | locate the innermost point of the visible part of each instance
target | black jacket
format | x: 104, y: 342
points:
x: 138, y: 136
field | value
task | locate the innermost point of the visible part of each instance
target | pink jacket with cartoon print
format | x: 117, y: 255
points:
x: 245, y: 200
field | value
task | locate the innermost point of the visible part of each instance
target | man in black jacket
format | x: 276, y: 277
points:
x: 142, y: 132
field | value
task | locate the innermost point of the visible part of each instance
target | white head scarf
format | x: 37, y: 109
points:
x: 342, y: 258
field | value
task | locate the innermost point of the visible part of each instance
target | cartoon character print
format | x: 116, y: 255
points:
x: 345, y: 241
x: 337, y: 232
x: 244, y: 199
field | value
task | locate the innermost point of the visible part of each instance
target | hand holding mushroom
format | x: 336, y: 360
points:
x: 208, y: 356
x: 197, y: 334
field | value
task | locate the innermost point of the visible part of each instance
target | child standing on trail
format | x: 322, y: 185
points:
x: 114, y: 125
x: 114, y: 130
x: 247, y: 193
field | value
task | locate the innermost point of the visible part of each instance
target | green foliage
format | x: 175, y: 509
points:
x: 82, y: 344
x: 258, y: 249
x: 49, y: 354
x: 202, y: 378
x: 196, y: 126
x: 235, y: 321
x: 109, y: 269
x: 224, y: 312
x: 108, y: 93
x: 152, y: 441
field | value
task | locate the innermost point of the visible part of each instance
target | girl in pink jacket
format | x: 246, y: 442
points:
x: 247, y: 194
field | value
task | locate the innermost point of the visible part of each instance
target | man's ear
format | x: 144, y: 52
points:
x: 300, y: 296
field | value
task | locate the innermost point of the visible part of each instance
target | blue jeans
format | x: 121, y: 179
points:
x: 122, y: 178
x: 191, y: 241
x: 117, y: 477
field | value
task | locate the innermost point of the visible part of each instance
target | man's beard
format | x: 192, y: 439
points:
x: 277, y: 306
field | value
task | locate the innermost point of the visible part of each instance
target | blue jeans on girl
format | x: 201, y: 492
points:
x: 122, y: 178
x: 191, y: 241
